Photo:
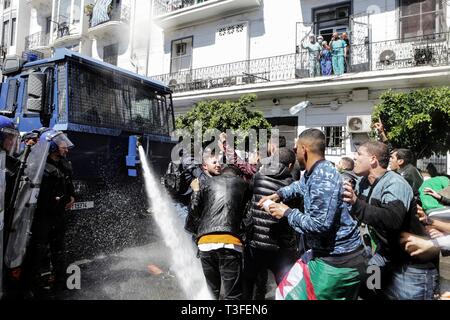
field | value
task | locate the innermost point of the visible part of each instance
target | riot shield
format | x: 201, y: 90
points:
x: 25, y: 205
x: 2, y: 214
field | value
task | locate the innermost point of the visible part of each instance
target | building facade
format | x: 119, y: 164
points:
x: 101, y: 29
x: 222, y: 49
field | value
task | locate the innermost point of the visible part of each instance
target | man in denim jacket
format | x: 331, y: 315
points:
x: 385, y: 202
x: 330, y: 231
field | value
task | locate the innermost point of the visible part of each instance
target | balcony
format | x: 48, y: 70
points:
x: 41, y: 5
x: 176, y: 13
x: 432, y: 50
x: 37, y: 41
x: 110, y: 21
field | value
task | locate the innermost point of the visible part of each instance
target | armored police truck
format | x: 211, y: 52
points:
x: 102, y: 109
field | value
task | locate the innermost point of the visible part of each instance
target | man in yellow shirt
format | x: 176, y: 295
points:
x: 216, y: 214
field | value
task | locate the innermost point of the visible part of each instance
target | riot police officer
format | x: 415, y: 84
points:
x: 9, y: 136
x: 55, y: 197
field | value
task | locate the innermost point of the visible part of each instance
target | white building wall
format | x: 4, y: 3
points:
x: 271, y: 31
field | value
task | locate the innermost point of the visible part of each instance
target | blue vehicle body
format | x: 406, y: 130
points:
x: 101, y: 108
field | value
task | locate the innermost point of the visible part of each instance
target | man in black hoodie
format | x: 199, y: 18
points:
x: 270, y: 243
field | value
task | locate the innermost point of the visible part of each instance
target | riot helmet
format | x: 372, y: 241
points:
x: 58, y: 141
x: 9, y: 135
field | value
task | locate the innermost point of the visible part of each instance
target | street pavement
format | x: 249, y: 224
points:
x: 132, y: 274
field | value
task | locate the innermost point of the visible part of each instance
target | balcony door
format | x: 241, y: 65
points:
x: 181, y: 56
x: 334, y: 18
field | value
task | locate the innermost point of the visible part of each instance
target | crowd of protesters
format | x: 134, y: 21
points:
x: 372, y: 227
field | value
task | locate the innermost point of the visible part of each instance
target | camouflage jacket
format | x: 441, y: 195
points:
x: 326, y: 221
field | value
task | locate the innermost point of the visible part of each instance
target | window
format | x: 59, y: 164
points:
x: 76, y: 12
x: 421, y: 17
x: 287, y: 127
x: 181, y: 55
x: 334, y: 141
x: 331, y: 19
x: 64, y: 11
x: 69, y: 12
x: 5, y: 33
x: 48, y: 24
x: 13, y: 31
x: 6, y: 4
x: 110, y: 54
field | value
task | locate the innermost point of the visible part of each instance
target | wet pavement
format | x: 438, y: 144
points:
x: 126, y: 276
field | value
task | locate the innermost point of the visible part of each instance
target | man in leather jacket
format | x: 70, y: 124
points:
x: 217, y: 210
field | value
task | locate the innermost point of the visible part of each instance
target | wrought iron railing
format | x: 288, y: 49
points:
x: 35, y: 40
x: 432, y: 50
x: 161, y: 7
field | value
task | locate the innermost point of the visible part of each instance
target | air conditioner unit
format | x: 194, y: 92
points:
x: 387, y: 57
x: 359, y: 124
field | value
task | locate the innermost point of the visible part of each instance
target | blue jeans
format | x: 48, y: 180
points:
x: 410, y: 283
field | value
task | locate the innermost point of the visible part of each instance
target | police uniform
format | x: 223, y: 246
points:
x: 48, y: 226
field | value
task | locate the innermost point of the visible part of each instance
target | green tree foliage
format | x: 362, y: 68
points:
x: 418, y: 120
x: 224, y: 115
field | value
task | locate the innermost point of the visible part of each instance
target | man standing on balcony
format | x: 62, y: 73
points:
x: 344, y: 38
x: 314, y: 49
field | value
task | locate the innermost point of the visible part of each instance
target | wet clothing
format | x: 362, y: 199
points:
x: 218, y: 207
x: 48, y: 224
x: 223, y: 266
x: 326, y: 222
x: 217, y: 210
x: 413, y: 176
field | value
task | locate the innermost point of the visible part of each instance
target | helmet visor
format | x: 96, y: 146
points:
x: 61, y: 140
x: 10, y: 140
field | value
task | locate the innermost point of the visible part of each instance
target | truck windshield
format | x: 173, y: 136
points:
x: 111, y: 100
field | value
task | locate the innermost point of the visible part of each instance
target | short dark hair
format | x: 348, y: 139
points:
x: 349, y: 164
x: 380, y: 150
x: 432, y: 170
x: 404, y: 154
x: 232, y: 170
x: 286, y: 156
x: 316, y: 139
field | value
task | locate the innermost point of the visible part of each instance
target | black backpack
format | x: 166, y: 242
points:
x: 173, y: 178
